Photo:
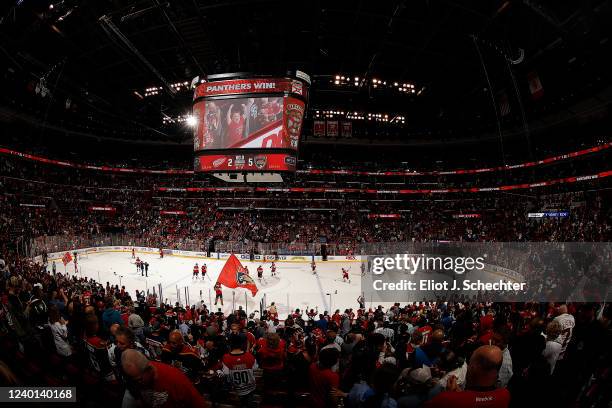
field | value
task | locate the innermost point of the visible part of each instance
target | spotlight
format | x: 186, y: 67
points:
x: 191, y: 121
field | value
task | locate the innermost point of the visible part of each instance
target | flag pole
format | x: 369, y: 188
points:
x: 246, y: 305
x: 233, y: 300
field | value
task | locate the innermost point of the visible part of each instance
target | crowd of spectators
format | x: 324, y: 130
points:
x: 138, y: 351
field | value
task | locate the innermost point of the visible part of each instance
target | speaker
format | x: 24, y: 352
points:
x: 324, y: 252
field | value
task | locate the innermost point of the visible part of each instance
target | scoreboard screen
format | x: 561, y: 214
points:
x: 249, y: 124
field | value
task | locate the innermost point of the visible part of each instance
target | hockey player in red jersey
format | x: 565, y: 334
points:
x: 259, y: 272
x: 204, y: 270
x: 161, y: 253
x: 218, y: 294
x: 196, y: 271
x: 313, y: 266
x: 273, y: 268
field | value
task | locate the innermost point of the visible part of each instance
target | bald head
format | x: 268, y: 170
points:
x: 484, y: 366
x: 134, y: 363
x: 562, y: 309
x: 175, y: 340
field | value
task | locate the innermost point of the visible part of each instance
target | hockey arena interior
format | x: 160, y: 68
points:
x: 197, y: 199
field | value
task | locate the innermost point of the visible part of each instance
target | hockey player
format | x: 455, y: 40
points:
x: 196, y: 271
x: 137, y: 264
x: 204, y: 270
x: 218, y: 294
x: 273, y: 268
x: 259, y: 272
x: 161, y: 253
x: 133, y: 253
x: 313, y: 266
x: 345, y: 275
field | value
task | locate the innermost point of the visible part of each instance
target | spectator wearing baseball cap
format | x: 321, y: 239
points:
x: 415, y: 387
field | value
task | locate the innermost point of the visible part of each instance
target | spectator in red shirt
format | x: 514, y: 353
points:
x: 271, y: 356
x: 323, y: 380
x: 159, y: 385
x: 480, y: 380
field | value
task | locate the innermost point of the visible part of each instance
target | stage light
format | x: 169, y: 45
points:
x: 191, y: 121
x: 336, y: 82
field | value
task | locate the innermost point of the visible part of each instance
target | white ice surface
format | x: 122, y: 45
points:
x: 294, y: 287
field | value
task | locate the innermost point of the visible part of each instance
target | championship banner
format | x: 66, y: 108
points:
x: 234, y: 275
x: 318, y: 129
x: 347, y: 129
x: 250, y: 86
x: 332, y: 128
x: 173, y: 212
x: 474, y: 215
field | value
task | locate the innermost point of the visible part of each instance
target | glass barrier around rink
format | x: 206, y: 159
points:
x: 58, y: 243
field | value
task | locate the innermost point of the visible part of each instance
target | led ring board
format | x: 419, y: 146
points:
x: 248, y: 123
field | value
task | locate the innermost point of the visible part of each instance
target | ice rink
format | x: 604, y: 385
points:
x: 295, y: 286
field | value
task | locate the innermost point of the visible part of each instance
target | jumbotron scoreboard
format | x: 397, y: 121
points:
x: 249, y: 123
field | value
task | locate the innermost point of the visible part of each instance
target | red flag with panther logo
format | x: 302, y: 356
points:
x: 233, y: 275
x: 67, y: 258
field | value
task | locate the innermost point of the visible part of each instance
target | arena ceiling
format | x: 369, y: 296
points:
x: 102, y: 55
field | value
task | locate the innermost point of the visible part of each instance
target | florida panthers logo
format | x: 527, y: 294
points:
x: 242, y: 278
x: 260, y: 161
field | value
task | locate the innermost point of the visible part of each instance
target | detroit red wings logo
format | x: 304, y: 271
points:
x: 218, y: 162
